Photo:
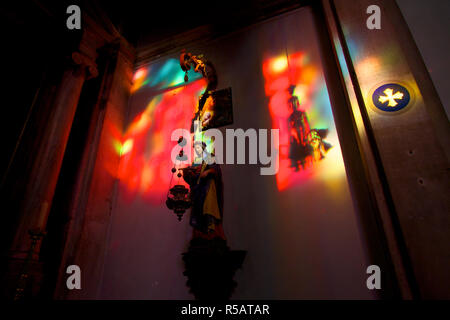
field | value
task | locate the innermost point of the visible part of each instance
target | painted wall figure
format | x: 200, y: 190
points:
x: 305, y: 144
x: 298, y: 125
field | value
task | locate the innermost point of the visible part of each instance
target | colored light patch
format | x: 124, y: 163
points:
x: 310, y: 89
x: 141, y: 73
x: 279, y: 64
x: 161, y: 76
x: 139, y: 79
x: 368, y: 66
x: 124, y: 148
x: 117, y: 146
x: 145, y: 167
x: 127, y: 145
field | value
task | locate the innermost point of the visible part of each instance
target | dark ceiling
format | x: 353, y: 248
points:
x: 152, y: 21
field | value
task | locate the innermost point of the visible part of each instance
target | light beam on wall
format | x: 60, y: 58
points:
x: 310, y: 88
x: 145, y: 147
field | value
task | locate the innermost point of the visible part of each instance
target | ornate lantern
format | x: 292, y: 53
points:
x: 178, y: 196
x: 178, y: 200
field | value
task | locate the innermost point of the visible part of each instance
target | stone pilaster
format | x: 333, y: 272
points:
x: 405, y: 150
x: 41, y: 182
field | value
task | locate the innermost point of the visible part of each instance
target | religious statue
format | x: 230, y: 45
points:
x: 210, y: 264
x: 205, y: 180
x: 206, y: 68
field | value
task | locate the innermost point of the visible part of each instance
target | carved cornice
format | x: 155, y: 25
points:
x: 99, y: 32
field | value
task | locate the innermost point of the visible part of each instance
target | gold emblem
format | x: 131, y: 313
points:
x: 391, y: 97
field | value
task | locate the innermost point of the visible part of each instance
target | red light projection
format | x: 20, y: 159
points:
x: 145, y: 167
x: 304, y: 80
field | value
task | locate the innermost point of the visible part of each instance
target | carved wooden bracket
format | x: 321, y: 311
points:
x: 86, y: 62
x: 210, y: 268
